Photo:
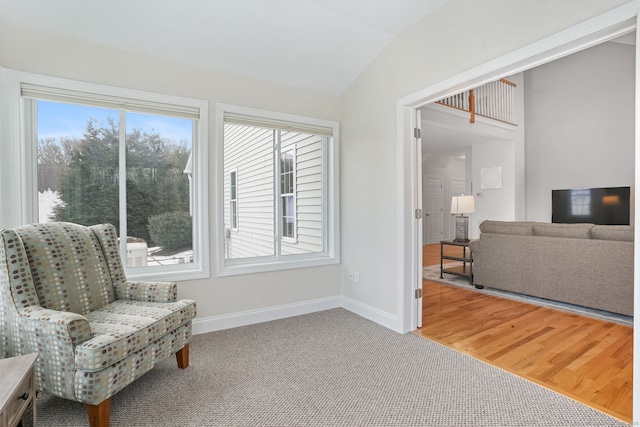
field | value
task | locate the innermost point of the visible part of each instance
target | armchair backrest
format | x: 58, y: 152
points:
x: 67, y: 265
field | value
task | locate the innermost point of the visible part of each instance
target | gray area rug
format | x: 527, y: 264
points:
x: 331, y: 368
x: 432, y: 273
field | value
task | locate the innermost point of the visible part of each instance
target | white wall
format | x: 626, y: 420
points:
x: 459, y: 35
x: 580, y: 124
x: 497, y: 203
x: 224, y: 298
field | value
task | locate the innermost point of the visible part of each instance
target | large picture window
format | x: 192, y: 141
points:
x: 125, y: 161
x: 288, y: 188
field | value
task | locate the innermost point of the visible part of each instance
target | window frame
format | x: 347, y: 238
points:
x: 330, y: 199
x: 23, y: 127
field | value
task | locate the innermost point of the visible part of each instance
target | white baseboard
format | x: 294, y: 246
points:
x: 218, y: 323
x: 371, y: 313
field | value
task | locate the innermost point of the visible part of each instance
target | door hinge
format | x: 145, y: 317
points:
x: 418, y: 213
x: 417, y: 132
x: 418, y: 293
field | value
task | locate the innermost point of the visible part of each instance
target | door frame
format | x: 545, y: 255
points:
x: 609, y: 25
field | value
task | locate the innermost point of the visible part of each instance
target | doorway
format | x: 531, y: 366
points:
x: 616, y: 23
x: 619, y: 22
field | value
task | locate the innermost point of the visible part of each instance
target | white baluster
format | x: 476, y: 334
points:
x: 503, y: 102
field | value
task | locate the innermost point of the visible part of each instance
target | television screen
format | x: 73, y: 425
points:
x: 606, y: 206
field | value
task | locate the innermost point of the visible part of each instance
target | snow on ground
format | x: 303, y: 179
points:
x: 185, y: 257
x: 47, y: 201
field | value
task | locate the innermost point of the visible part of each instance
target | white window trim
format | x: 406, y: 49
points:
x: 18, y: 165
x: 331, y: 199
x: 237, y: 227
x: 293, y: 239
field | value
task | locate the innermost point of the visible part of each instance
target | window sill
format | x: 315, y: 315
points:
x: 234, y: 269
x: 166, y: 275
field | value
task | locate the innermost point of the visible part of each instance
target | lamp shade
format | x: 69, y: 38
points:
x: 462, y: 204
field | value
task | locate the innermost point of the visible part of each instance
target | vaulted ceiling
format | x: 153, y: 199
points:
x: 322, y: 45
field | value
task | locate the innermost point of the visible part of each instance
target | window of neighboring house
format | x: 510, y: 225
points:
x: 130, y: 162
x: 233, y: 202
x: 289, y: 191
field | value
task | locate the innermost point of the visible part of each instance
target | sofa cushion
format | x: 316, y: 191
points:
x: 124, y: 327
x: 519, y: 228
x: 572, y: 231
x: 621, y: 233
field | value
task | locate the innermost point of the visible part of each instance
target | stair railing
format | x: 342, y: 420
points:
x: 494, y: 100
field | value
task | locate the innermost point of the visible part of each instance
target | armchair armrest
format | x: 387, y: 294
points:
x: 55, y: 336
x: 147, y: 291
x: 63, y: 327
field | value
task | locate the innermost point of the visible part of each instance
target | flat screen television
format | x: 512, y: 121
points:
x: 605, y: 206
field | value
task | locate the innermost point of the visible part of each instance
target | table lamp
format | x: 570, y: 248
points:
x: 462, y: 205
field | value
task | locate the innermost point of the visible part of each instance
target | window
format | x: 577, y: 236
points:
x: 131, y: 161
x: 580, y: 202
x: 289, y: 191
x: 233, y: 202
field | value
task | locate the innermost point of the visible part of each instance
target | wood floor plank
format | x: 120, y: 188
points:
x: 586, y: 359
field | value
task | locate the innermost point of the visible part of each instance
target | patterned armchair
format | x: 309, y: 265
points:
x: 63, y: 294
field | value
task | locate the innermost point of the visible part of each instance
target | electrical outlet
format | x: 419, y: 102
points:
x: 356, y: 276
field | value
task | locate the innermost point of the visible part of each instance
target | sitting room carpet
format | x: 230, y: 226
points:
x: 331, y: 368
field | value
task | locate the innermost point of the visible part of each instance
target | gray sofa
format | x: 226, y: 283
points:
x: 583, y: 264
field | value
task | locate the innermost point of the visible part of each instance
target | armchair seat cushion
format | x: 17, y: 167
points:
x: 126, y: 326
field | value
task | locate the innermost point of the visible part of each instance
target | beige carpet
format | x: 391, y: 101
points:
x: 331, y: 368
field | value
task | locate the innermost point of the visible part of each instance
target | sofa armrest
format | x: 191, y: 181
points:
x: 147, y: 291
x: 474, y: 245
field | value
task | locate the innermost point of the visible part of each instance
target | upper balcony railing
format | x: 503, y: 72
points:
x: 494, y: 100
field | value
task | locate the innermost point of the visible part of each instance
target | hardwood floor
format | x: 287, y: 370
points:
x: 588, y: 360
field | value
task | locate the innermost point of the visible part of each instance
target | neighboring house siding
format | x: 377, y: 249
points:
x: 250, y: 152
x: 308, y: 193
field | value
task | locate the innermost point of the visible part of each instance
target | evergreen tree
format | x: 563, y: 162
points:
x: 155, y: 182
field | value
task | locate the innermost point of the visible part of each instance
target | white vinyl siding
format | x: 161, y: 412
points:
x: 249, y: 151
x: 308, y: 193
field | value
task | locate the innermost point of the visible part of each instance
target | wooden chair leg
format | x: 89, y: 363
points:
x: 99, y: 414
x: 182, y: 356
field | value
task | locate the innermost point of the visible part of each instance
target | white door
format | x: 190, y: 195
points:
x: 457, y: 189
x: 432, y: 190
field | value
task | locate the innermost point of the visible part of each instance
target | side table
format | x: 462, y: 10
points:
x: 17, y: 389
x: 464, y: 270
